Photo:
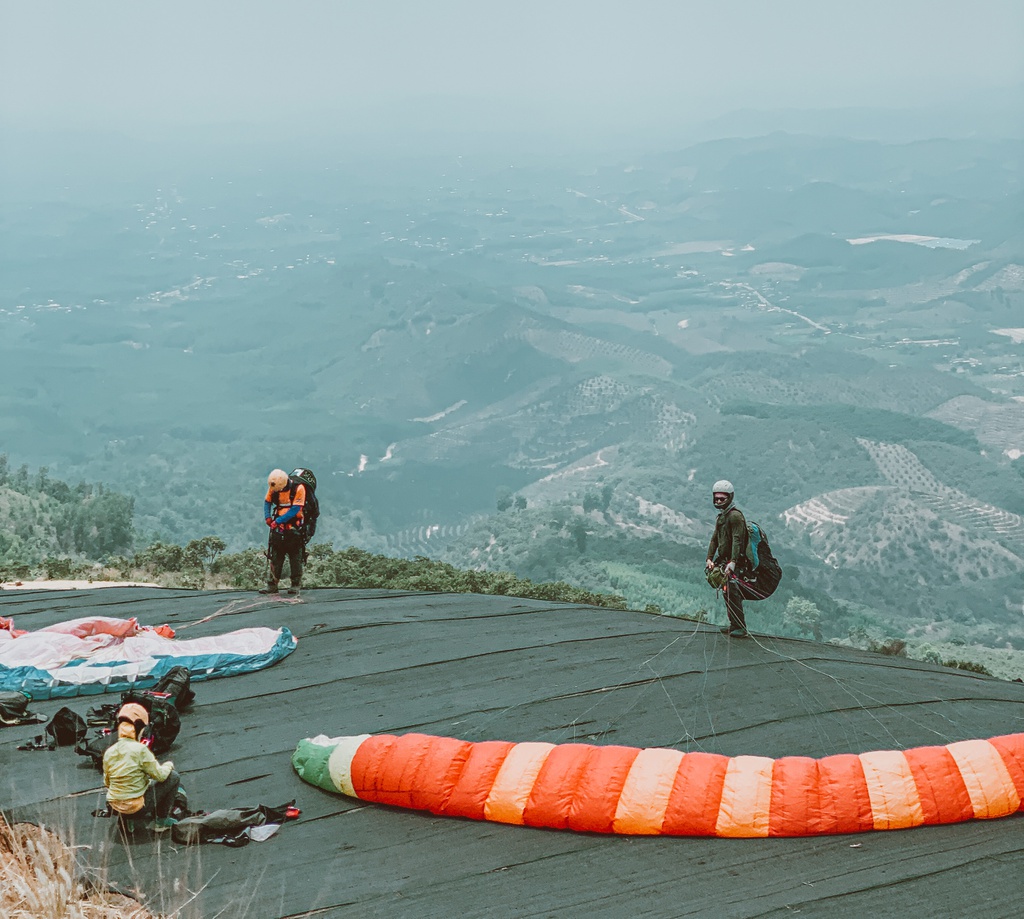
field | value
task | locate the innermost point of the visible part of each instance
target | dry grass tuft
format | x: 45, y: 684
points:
x: 37, y: 881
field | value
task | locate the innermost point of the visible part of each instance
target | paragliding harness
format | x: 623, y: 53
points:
x: 764, y: 569
x: 758, y: 565
x: 64, y: 729
x: 163, y: 703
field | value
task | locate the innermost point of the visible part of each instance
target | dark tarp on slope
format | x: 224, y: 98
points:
x: 502, y: 668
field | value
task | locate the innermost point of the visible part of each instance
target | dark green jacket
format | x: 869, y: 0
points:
x: 729, y: 541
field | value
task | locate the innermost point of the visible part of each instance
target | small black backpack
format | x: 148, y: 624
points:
x: 64, y: 729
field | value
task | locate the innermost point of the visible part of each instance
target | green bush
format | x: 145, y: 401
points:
x: 357, y: 568
x: 970, y: 666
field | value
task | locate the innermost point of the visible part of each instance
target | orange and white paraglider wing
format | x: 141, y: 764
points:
x: 660, y: 791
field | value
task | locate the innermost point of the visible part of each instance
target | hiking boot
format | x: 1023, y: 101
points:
x: 269, y: 589
x: 293, y: 591
x: 163, y: 824
x: 734, y: 631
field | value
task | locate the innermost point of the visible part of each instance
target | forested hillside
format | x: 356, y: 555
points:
x: 43, y: 519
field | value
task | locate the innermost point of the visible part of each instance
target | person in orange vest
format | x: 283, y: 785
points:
x: 282, y: 511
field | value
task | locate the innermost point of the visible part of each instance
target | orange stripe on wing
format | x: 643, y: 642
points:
x: 368, y: 768
x: 940, y: 788
x: 413, y: 770
x: 696, y: 795
x: 795, y: 803
x: 554, y: 793
x: 470, y: 791
x: 843, y: 799
x: 597, y: 796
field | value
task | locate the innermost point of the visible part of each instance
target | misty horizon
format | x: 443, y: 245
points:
x: 539, y: 76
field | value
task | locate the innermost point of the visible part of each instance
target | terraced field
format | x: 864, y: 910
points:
x: 916, y: 521
x: 902, y: 468
x: 998, y: 424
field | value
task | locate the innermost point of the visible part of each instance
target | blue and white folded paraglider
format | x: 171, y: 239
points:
x: 100, y: 654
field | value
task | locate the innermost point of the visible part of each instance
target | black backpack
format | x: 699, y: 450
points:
x: 763, y: 564
x: 164, y: 722
x: 64, y: 729
x: 14, y: 709
x: 175, y: 683
x: 311, y: 509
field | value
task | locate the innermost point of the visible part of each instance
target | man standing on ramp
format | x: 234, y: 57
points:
x: 283, y: 512
x: 731, y: 566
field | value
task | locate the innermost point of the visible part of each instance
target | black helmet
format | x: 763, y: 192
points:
x: 305, y: 477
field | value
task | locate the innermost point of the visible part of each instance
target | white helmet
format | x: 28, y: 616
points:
x: 722, y: 487
x: 277, y: 480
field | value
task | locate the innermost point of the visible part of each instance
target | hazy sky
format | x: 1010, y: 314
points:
x: 180, y: 61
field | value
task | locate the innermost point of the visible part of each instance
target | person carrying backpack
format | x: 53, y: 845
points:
x: 137, y: 785
x: 283, y: 509
x: 731, y: 564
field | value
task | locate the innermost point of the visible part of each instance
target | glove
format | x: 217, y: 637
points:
x: 270, y: 521
x: 730, y: 568
x: 710, y: 564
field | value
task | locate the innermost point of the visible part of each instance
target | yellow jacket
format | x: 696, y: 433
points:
x: 127, y: 768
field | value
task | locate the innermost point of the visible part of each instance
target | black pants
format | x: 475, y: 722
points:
x: 736, y: 591
x: 286, y: 545
x: 160, y: 797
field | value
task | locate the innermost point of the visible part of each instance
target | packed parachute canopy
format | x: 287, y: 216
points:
x: 660, y: 791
